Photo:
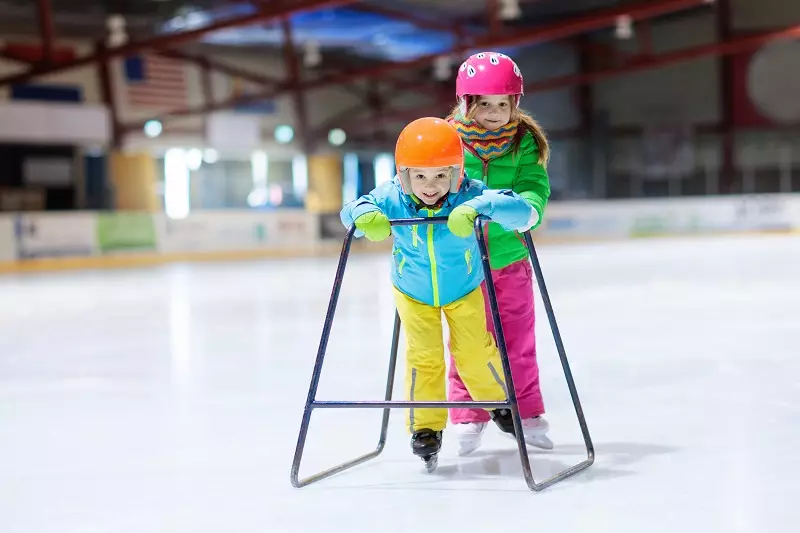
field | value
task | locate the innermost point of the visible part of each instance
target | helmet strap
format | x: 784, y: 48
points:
x: 455, y: 178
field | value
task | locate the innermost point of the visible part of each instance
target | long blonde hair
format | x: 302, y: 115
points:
x: 527, y: 123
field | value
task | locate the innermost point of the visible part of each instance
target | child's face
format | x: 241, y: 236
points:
x: 429, y: 184
x: 493, y: 112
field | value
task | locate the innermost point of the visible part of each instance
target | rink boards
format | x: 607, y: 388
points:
x: 44, y: 241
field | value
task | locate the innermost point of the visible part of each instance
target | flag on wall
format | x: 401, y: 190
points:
x: 155, y: 83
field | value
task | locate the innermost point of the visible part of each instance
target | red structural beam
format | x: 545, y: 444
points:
x: 736, y: 45
x: 727, y: 100
x: 493, y: 13
x: 527, y: 36
x: 45, y: 13
x: 298, y: 96
x: 109, y: 98
x: 173, y: 39
x: 732, y: 46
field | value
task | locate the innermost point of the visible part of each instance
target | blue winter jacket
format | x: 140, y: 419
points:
x: 431, y: 264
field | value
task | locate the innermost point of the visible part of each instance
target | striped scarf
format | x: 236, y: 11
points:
x: 487, y: 143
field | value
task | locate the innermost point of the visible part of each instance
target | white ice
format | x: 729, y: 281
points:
x: 168, y: 400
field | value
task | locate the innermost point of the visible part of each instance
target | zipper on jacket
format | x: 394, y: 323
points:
x: 482, y: 160
x: 468, y: 259
x: 414, y: 235
x: 432, y: 255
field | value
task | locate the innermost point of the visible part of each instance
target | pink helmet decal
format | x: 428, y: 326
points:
x: 488, y: 73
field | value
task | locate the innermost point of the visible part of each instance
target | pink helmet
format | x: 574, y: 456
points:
x: 488, y: 73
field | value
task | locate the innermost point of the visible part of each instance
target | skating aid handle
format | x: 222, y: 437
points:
x: 431, y: 220
x: 418, y: 220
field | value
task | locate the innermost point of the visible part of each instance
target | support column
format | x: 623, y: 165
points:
x: 727, y: 169
x: 325, y: 173
x: 133, y: 179
x: 45, y: 14
x: 208, y: 91
x: 108, y: 95
x: 295, y: 78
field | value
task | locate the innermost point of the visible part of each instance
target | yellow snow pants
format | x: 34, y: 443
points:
x: 474, y: 353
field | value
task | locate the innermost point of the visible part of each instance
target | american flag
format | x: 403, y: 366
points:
x: 155, y: 83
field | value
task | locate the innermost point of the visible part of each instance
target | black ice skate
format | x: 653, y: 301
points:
x: 503, y: 419
x: 426, y: 444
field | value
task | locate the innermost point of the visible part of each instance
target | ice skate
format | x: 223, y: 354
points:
x: 503, y: 419
x: 534, y: 429
x: 426, y: 444
x: 469, y: 436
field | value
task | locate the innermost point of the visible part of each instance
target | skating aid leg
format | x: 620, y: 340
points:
x: 501, y: 345
x: 312, y: 391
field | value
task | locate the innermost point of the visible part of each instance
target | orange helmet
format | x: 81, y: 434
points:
x: 429, y: 143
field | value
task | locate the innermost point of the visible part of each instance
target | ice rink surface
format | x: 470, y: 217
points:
x: 168, y: 400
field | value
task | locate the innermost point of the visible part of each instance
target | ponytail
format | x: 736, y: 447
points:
x: 530, y: 124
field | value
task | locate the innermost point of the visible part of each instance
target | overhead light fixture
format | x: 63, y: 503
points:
x: 312, y: 56
x: 117, y: 34
x: 441, y: 68
x: 624, y: 29
x: 509, y: 10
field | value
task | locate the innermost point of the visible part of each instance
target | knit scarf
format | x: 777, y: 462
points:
x: 487, y: 143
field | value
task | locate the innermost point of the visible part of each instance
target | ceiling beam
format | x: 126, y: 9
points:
x: 736, y: 45
x: 526, y: 36
x: 45, y: 15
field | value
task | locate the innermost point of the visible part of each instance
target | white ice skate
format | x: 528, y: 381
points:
x: 469, y: 436
x: 535, y: 431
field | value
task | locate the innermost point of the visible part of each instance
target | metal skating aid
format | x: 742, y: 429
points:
x: 387, y: 404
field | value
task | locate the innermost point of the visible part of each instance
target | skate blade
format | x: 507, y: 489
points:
x: 431, y: 463
x: 536, y: 443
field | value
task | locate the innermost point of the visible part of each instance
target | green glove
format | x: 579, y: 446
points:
x: 375, y: 225
x: 462, y: 221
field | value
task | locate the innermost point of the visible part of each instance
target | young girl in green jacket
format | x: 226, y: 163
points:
x: 506, y: 149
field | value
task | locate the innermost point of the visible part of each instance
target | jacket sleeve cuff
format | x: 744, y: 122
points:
x: 532, y: 222
x: 363, y: 208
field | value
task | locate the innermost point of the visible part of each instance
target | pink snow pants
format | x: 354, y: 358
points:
x: 514, y: 287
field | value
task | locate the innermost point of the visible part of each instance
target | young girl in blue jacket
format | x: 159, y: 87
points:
x: 438, y: 269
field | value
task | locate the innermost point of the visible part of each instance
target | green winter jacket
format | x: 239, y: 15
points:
x: 519, y: 171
